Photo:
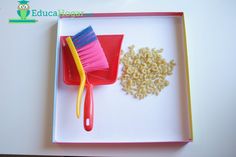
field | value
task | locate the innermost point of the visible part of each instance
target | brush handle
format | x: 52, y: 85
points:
x: 80, y: 69
x: 88, y: 108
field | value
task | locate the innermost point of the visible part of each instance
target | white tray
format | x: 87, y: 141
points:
x: 119, y: 117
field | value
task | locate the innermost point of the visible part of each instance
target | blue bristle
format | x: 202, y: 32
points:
x: 83, y: 32
x: 84, y: 37
x: 85, y: 42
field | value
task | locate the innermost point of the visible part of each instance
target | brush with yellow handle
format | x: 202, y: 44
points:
x: 88, y: 56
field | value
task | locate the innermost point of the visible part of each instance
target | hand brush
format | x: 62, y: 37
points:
x: 88, y: 56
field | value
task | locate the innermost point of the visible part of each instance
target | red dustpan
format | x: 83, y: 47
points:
x: 111, y: 45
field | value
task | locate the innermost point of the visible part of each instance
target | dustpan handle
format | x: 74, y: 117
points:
x: 88, y: 108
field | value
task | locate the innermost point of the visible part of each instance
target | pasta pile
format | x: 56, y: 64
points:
x: 144, y: 72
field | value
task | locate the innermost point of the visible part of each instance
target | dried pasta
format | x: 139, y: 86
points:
x: 145, y: 72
